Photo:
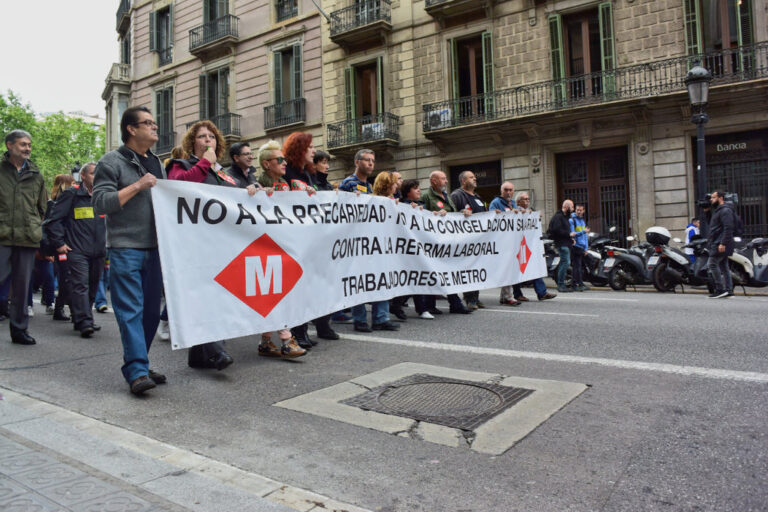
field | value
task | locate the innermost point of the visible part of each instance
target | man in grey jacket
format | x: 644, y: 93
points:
x: 121, y: 191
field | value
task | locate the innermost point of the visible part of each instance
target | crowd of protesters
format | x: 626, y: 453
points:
x: 100, y: 235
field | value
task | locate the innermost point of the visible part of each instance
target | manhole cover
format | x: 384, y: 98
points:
x: 451, y: 402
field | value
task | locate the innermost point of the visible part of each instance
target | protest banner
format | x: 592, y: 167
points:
x: 235, y: 265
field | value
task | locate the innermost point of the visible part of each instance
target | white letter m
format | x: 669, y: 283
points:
x: 273, y: 272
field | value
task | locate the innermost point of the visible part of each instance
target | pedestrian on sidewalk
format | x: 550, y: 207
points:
x: 579, y: 247
x: 560, y: 233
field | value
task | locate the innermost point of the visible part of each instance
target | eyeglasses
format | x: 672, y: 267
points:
x: 280, y: 159
x: 246, y: 154
x: 368, y: 159
x: 147, y: 122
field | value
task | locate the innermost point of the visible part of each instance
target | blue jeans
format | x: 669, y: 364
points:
x: 136, y: 284
x: 101, y: 291
x: 565, y: 262
x: 379, y: 313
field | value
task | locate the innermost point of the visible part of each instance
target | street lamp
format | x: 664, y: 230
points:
x: 697, y: 80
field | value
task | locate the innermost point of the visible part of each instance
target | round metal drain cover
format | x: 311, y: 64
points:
x: 440, y: 399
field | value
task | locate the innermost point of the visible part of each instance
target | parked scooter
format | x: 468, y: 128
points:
x: 594, y: 269
x: 552, y: 257
x: 675, y: 268
x: 635, y: 265
x: 749, y: 264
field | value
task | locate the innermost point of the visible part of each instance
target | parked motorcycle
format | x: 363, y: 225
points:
x: 675, y: 268
x: 594, y: 270
x: 635, y: 265
x: 749, y: 264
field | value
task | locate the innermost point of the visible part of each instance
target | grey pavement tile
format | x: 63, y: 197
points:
x: 77, y: 491
x: 48, y: 475
x: 30, y: 503
x: 116, y: 502
x: 24, y: 462
x: 9, y: 448
x: 9, y: 489
x: 11, y: 413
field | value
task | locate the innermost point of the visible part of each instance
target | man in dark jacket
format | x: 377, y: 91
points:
x: 121, y: 191
x: 720, y: 245
x: 75, y: 231
x: 560, y: 233
x: 241, y: 169
x: 23, y: 199
x: 465, y: 199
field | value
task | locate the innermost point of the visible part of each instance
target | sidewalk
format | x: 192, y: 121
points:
x: 52, y: 459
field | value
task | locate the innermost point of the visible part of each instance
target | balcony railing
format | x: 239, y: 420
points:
x: 119, y: 73
x: 165, y: 56
x: 123, y: 15
x: 640, y: 81
x: 220, y: 28
x: 287, y: 9
x: 228, y: 124
x: 432, y: 3
x: 165, y: 142
x: 368, y: 129
x: 286, y: 113
x: 359, y: 15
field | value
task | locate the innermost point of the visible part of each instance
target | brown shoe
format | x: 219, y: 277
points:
x: 522, y: 298
x: 548, y: 296
x: 291, y: 350
x: 142, y: 384
x: 269, y: 349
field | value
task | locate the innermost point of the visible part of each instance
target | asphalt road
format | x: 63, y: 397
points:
x: 675, y: 418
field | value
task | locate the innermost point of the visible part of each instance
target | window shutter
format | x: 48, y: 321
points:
x: 607, y: 49
x: 170, y: 26
x: 153, y: 31
x: 222, y: 8
x: 296, y: 72
x: 277, y: 58
x: 380, y: 85
x: 744, y: 15
x: 160, y: 109
x: 693, y: 40
x: 556, y: 59
x: 203, y: 92
x: 207, y: 11
x: 488, y: 73
x: 223, y: 107
x: 349, y: 89
x: 169, y: 110
x: 453, y: 56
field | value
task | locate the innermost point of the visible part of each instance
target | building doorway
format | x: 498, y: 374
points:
x: 598, y: 179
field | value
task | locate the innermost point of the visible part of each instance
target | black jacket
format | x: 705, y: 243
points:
x: 560, y: 230
x: 72, y: 221
x: 321, y: 181
x: 721, y: 228
x: 298, y: 179
x: 461, y: 198
x: 241, y: 178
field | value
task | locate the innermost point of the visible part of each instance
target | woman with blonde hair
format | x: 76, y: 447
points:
x: 272, y: 166
x: 385, y: 184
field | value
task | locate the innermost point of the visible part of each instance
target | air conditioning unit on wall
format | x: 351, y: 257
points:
x: 437, y: 119
x: 372, y: 131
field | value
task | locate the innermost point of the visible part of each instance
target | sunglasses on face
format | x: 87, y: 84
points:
x: 280, y: 159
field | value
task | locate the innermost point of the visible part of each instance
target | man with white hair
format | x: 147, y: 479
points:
x: 23, y: 200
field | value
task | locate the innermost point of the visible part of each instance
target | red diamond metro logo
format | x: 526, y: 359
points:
x: 523, y: 255
x: 261, y: 275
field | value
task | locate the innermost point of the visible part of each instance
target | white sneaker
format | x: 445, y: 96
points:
x: 49, y: 310
x: 427, y: 316
x: 163, y: 331
x: 30, y: 311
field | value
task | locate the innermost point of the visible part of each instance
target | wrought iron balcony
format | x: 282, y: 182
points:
x: 165, y: 56
x: 441, y: 9
x: 165, y: 142
x: 363, y: 22
x: 123, y: 15
x: 383, y: 128
x: 285, y: 114
x: 641, y: 81
x: 221, y: 31
x: 287, y: 9
x: 228, y: 124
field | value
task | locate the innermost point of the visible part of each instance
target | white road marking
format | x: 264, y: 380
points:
x: 522, y: 312
x: 571, y: 297
x: 710, y: 373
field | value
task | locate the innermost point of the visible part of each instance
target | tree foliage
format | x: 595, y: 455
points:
x: 58, y: 141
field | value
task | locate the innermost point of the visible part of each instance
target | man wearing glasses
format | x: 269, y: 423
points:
x: 242, y: 169
x: 121, y: 191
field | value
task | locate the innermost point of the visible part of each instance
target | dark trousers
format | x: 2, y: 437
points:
x: 420, y: 302
x: 60, y: 269
x: 17, y: 262
x: 577, y: 257
x: 43, y: 278
x: 471, y: 297
x: 84, y: 273
x: 719, y: 272
x: 454, y: 301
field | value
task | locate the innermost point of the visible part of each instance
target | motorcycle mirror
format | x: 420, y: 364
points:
x: 677, y: 240
x: 630, y: 238
x: 737, y: 239
x: 612, y: 230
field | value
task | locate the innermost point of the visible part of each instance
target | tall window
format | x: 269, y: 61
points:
x: 712, y: 26
x: 287, y: 9
x: 582, y: 47
x: 214, y: 95
x: 125, y: 49
x: 472, y: 73
x: 214, y: 9
x: 287, y: 69
x: 364, y: 89
x: 161, y: 34
x: 164, y: 119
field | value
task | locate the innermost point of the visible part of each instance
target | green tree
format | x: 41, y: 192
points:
x: 58, y: 141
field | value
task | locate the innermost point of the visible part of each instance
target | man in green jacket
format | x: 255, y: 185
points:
x: 23, y: 199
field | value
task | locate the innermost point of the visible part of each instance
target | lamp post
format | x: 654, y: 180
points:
x: 697, y: 81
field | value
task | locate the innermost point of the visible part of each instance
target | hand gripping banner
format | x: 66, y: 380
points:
x: 235, y: 265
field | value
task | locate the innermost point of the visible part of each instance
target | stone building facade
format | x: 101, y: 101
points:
x: 252, y: 67
x: 566, y: 98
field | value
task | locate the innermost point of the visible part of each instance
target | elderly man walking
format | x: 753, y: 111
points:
x: 121, y: 191
x: 23, y: 199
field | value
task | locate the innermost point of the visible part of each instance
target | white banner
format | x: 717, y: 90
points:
x: 235, y: 265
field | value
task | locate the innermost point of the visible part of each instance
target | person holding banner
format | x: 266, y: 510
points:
x: 205, y: 145
x: 467, y: 201
x: 436, y: 200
